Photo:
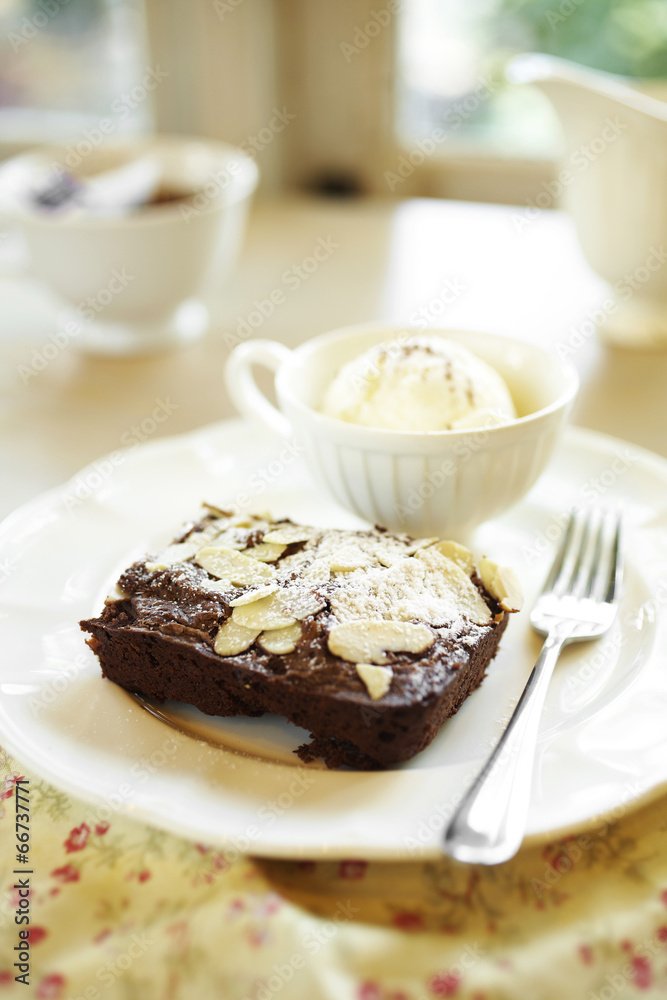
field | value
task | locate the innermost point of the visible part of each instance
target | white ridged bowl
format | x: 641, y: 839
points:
x: 424, y: 483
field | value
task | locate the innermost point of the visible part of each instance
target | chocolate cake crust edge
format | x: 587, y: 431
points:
x: 349, y: 730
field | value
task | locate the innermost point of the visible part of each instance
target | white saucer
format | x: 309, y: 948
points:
x: 236, y: 782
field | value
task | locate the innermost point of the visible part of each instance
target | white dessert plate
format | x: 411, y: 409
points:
x: 235, y: 783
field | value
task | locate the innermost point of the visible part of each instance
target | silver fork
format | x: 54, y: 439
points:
x: 578, y: 602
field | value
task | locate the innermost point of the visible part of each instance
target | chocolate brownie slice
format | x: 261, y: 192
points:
x: 368, y: 640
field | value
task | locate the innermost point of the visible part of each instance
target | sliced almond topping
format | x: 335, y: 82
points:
x: 419, y: 543
x: 376, y: 679
x: 502, y: 583
x: 319, y: 571
x: 469, y: 601
x: 368, y: 640
x: 219, y: 586
x: 389, y: 558
x: 266, y: 552
x: 348, y: 558
x: 201, y: 538
x: 287, y: 534
x: 487, y: 573
x: 228, y: 564
x: 254, y: 595
x: 281, y: 640
x: 116, y: 594
x: 173, y: 554
x: 301, y: 603
x: 217, y: 511
x: 233, y: 638
x: 509, y: 585
x: 266, y: 614
x: 226, y: 519
x: 231, y: 538
x: 458, y: 553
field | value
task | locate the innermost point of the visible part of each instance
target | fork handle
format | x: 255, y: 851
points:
x: 489, y: 824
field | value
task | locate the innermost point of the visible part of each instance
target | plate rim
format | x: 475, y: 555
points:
x: 573, y: 436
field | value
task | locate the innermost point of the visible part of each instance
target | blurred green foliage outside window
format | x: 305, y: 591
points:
x: 452, y: 54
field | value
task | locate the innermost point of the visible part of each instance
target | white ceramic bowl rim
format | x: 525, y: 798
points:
x: 241, y: 183
x: 342, y: 427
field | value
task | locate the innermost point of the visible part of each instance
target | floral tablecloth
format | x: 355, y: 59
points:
x: 120, y: 910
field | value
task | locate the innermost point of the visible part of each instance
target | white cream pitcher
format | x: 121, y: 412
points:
x: 613, y: 183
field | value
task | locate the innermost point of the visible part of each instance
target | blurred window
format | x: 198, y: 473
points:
x: 451, y: 54
x: 67, y: 64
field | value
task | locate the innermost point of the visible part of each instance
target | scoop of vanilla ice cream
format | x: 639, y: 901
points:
x: 422, y: 383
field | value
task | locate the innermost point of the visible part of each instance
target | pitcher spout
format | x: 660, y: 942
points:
x: 575, y: 90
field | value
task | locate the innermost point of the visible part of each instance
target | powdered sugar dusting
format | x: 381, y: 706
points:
x: 359, y: 575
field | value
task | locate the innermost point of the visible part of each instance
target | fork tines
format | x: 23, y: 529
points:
x: 588, y: 562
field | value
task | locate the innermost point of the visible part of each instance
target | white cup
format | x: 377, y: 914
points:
x: 131, y: 283
x: 424, y: 483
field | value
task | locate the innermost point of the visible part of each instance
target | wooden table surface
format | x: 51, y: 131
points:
x: 447, y: 263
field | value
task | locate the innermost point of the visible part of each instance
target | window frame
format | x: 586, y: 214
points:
x: 320, y: 62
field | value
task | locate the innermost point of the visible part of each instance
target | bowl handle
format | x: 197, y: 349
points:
x: 249, y: 400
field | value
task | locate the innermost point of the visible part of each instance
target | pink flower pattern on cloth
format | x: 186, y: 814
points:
x: 120, y: 910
